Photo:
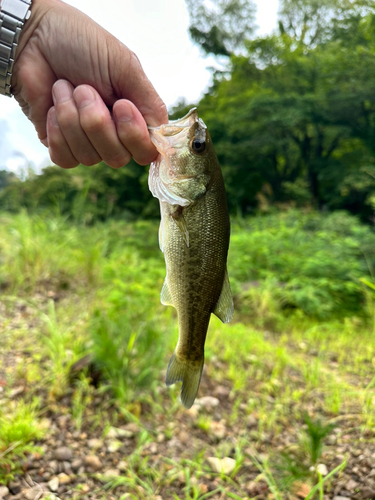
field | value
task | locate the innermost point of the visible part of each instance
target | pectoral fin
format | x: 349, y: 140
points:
x: 166, y: 297
x: 181, y: 223
x: 224, y: 307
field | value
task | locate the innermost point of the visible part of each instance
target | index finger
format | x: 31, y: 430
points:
x: 130, y: 82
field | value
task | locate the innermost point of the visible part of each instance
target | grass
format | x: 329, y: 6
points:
x: 297, y: 358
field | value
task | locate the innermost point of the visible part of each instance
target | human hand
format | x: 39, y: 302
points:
x: 68, y: 71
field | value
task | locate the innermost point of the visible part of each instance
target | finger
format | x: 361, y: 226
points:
x: 97, y: 123
x: 130, y: 82
x: 132, y: 131
x: 70, y: 126
x: 59, y: 150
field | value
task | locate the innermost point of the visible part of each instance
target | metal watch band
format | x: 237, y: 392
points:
x: 13, y: 15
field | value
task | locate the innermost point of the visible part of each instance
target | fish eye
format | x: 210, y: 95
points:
x: 198, y: 145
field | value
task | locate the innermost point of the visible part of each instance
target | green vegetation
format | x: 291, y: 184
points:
x: 297, y: 359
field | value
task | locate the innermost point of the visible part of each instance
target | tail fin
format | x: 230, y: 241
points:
x: 189, y: 373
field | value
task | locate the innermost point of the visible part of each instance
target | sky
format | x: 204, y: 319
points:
x: 156, y: 30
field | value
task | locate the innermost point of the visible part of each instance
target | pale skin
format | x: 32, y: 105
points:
x: 84, y: 91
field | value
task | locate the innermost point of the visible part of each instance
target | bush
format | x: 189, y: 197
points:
x: 314, y: 260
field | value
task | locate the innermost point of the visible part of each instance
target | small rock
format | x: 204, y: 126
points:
x: 3, y: 491
x: 111, y: 472
x: 351, y: 485
x: 252, y: 421
x: 300, y: 489
x: 108, y: 474
x: 123, y: 466
x: 225, y: 465
x: 193, y: 412
x: 322, y: 469
x: 76, y: 464
x: 95, y: 443
x: 63, y: 453
x: 184, y: 437
x: 114, y: 445
x: 116, y: 433
x: 54, y: 466
x: 85, y: 488
x: 160, y: 438
x: 218, y: 430
x: 14, y: 487
x: 93, y: 461
x: 53, y: 484
x: 132, y: 427
x: 222, y: 391
x: 32, y: 493
x: 340, y: 498
x: 64, y: 478
x: 208, y: 402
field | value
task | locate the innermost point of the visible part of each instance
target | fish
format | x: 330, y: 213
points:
x: 194, y: 237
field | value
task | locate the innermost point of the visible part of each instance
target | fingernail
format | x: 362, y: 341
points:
x: 53, y: 117
x: 61, y: 91
x: 83, y: 96
x: 124, y: 114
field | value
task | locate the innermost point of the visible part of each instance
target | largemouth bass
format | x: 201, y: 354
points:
x: 194, y: 237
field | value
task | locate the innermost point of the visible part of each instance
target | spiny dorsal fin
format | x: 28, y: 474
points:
x: 166, y: 297
x: 224, y: 307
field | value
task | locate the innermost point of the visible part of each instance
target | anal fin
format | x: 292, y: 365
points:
x: 166, y: 297
x: 224, y: 307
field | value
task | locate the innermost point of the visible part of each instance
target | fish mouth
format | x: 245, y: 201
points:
x: 165, y: 137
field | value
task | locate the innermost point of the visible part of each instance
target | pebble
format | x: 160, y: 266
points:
x: 222, y: 391
x: 218, y: 430
x: 123, y: 466
x: 225, y: 465
x: 3, y: 491
x: 114, y: 445
x: 53, y: 484
x: 108, y: 474
x: 95, y: 443
x: 184, y: 437
x: 32, y: 493
x: 64, y: 478
x: 340, y: 498
x: 76, y: 464
x: 118, y: 433
x: 322, y: 469
x: 63, y: 453
x: 93, y: 461
x: 14, y: 487
x: 208, y: 402
x: 351, y: 485
x: 132, y: 427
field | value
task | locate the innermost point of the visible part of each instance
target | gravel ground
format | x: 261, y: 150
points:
x: 80, y: 463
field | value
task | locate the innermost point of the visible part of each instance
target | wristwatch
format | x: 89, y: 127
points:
x: 13, y: 15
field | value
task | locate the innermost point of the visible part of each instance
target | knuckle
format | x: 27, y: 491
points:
x: 118, y: 161
x: 89, y: 159
x: 62, y: 160
x: 93, y: 123
x: 66, y: 116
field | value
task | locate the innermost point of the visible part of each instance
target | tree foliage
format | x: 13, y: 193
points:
x: 292, y: 117
x: 220, y: 27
